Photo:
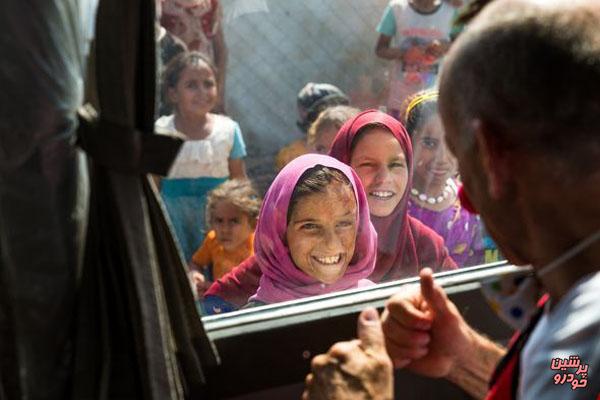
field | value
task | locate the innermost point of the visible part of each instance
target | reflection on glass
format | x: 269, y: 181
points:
x: 366, y: 55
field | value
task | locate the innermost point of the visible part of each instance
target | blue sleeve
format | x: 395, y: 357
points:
x: 238, y: 150
x: 387, y: 25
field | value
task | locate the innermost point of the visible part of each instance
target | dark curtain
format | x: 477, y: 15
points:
x: 43, y: 196
x: 95, y: 302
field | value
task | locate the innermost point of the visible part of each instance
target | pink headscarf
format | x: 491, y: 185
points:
x: 405, y: 245
x: 281, y: 280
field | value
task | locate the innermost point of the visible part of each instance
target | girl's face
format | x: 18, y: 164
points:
x: 434, y: 163
x: 380, y: 163
x: 321, y: 232
x: 232, y: 226
x: 324, y: 138
x: 196, y: 90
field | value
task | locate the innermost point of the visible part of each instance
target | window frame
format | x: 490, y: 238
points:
x: 252, y: 342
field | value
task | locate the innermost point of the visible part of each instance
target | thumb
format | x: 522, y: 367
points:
x: 369, y: 329
x: 432, y: 292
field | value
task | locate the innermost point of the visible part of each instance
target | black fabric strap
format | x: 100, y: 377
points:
x: 124, y: 149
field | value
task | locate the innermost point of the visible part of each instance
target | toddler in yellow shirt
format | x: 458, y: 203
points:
x: 231, y: 211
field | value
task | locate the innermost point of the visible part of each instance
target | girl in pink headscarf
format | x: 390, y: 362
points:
x: 313, y: 236
x: 379, y: 149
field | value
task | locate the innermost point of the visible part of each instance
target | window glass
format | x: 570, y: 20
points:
x: 255, y: 86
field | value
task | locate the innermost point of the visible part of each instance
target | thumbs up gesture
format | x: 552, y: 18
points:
x: 424, y: 330
x: 358, y: 369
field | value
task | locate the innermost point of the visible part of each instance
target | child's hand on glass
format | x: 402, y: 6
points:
x: 199, y: 284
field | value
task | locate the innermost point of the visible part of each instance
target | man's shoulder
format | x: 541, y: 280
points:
x: 570, y: 328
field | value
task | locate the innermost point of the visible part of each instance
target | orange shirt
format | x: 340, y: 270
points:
x: 289, y: 152
x: 223, y: 261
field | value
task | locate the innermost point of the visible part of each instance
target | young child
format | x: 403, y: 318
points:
x: 322, y: 132
x: 211, y: 154
x: 231, y: 211
x: 433, y: 198
x: 312, y: 99
x: 421, y: 32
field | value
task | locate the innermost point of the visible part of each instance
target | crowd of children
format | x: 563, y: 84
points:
x: 365, y: 197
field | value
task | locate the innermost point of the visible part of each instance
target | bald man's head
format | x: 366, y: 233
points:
x: 531, y: 70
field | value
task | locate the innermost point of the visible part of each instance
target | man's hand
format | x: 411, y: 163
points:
x: 425, y: 333
x: 358, y: 369
x: 424, y: 330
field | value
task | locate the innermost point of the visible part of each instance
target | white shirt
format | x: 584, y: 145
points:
x: 412, y: 24
x: 208, y: 157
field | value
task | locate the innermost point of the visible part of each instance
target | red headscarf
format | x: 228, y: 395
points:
x: 405, y: 245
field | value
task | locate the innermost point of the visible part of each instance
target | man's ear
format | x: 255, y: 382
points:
x: 494, y: 157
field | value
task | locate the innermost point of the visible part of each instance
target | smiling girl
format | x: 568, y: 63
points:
x: 433, y: 199
x: 213, y: 150
x: 313, y: 237
x: 378, y: 147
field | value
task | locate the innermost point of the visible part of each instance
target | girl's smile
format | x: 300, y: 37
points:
x: 196, y: 91
x: 321, y: 232
x: 381, y: 165
x: 434, y: 163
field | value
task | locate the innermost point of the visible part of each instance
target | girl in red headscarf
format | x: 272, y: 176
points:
x: 378, y: 147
